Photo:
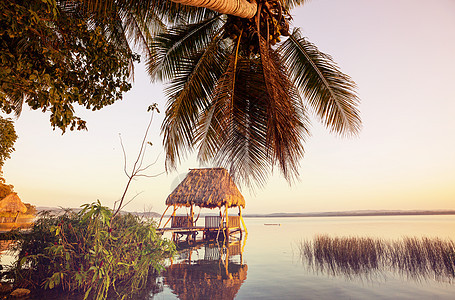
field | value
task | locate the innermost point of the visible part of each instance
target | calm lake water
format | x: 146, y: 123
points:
x: 271, y: 265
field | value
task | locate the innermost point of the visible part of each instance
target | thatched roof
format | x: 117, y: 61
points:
x: 12, y: 203
x: 211, y: 188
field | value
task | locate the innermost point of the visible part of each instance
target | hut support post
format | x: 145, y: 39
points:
x: 192, y: 215
x: 173, y: 214
x: 221, y: 227
x: 17, y: 216
x: 162, y: 216
x: 226, y: 263
x: 241, y: 219
x: 227, y: 223
x: 242, y: 249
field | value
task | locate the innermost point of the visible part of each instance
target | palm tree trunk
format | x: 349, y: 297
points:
x: 239, y: 8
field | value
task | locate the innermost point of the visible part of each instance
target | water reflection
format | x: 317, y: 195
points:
x: 411, y: 257
x: 7, y: 253
x: 207, y: 271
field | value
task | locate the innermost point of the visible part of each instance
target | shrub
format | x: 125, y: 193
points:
x: 91, y: 251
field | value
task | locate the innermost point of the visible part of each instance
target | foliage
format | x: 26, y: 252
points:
x: 8, y: 137
x: 31, y: 209
x: 235, y: 91
x: 5, y: 189
x: 54, y: 57
x: 91, y: 252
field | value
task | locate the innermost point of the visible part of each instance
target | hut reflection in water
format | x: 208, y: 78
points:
x: 208, y: 271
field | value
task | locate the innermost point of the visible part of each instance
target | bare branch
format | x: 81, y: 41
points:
x: 124, y: 155
x: 150, y: 176
x: 137, y: 194
x: 137, y: 167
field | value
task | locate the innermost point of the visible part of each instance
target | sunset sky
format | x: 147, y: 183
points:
x: 401, y: 54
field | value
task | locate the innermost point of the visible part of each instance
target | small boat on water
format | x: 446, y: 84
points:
x: 272, y: 224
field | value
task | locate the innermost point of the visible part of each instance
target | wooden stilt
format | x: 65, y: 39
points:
x: 173, y: 214
x: 192, y: 215
x: 227, y: 224
x: 243, y: 222
x: 163, y: 216
x: 221, y: 227
x: 17, y: 216
x: 226, y: 263
x: 241, y: 232
x: 243, y: 245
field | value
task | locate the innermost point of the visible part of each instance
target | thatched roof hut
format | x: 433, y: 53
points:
x: 12, y: 203
x: 209, y: 188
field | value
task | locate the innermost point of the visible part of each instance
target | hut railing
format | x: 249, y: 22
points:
x: 214, y: 222
x: 213, y: 252
x: 235, y: 249
x: 181, y: 222
x: 7, y: 219
x: 234, y: 222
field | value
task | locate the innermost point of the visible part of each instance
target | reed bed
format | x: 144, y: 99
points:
x: 417, y: 258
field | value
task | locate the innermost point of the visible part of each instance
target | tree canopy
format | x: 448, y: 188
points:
x: 8, y: 137
x: 57, y: 57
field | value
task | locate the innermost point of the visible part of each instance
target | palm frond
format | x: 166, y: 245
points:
x: 116, y: 31
x: 329, y: 92
x: 167, y: 11
x: 232, y: 130
x: 116, y: 24
x: 290, y: 4
x: 133, y: 23
x: 180, y: 42
x: 255, y: 120
x: 140, y: 31
x: 189, y: 92
x: 286, y: 123
x: 245, y: 150
x: 213, y: 125
x: 13, y: 101
x: 141, y: 26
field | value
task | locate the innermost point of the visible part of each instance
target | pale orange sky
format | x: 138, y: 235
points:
x: 401, y: 55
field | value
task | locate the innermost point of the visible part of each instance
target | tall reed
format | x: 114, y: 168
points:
x: 418, y: 258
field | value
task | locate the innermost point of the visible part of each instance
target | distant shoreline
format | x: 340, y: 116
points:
x: 355, y: 213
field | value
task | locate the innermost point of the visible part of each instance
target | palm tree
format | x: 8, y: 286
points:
x: 239, y: 8
x: 235, y: 90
